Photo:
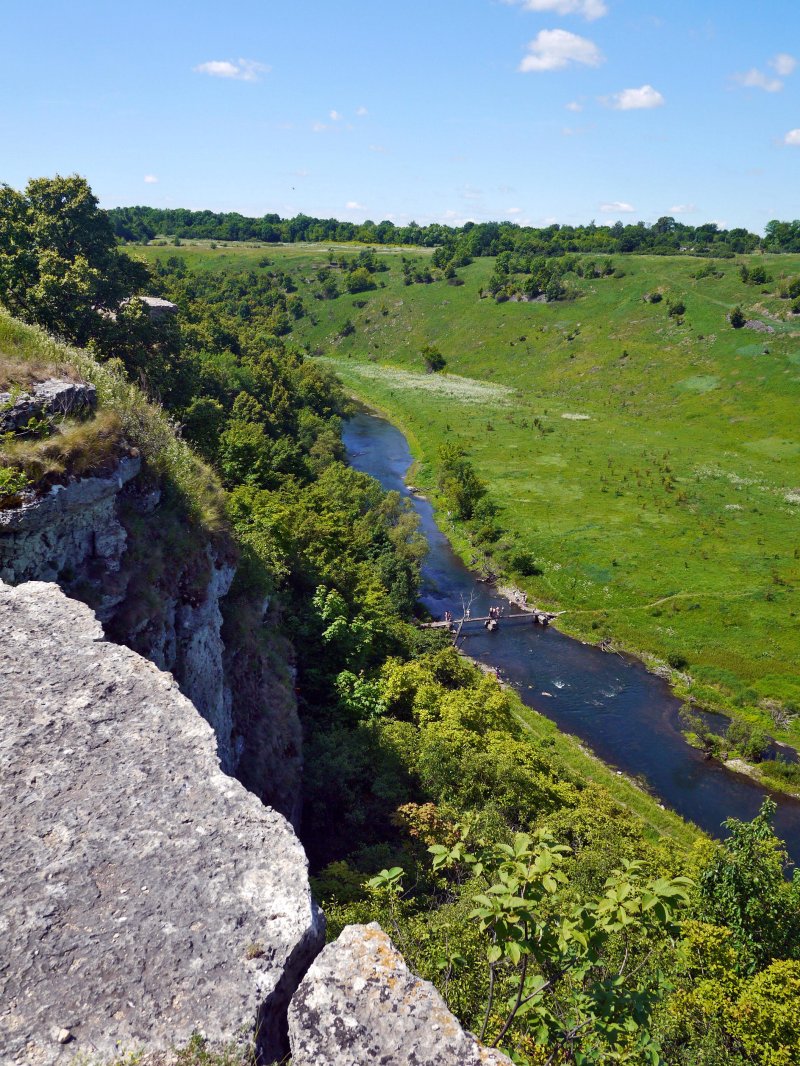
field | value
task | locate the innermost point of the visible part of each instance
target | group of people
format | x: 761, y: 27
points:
x: 494, y: 612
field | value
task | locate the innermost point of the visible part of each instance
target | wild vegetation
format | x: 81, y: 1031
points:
x: 665, y: 237
x: 637, y: 449
x: 560, y: 912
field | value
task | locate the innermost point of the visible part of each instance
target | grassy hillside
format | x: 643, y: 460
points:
x: 650, y: 463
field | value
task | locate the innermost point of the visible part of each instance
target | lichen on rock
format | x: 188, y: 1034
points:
x: 359, y: 1004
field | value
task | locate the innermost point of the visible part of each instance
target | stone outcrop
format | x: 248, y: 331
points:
x: 156, y: 307
x: 83, y: 535
x: 48, y: 398
x: 359, y: 1004
x: 146, y: 894
x: 71, y: 527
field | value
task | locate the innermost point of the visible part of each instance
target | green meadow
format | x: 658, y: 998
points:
x: 650, y: 463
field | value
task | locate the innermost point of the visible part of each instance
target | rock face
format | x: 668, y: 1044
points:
x: 146, y: 895
x: 359, y: 1005
x: 51, y: 397
x: 78, y: 535
x: 66, y: 530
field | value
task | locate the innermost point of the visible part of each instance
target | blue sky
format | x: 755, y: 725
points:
x: 532, y: 110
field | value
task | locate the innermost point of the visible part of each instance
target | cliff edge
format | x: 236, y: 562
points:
x: 148, y: 895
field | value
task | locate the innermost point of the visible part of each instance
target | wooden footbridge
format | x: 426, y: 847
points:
x: 492, y: 622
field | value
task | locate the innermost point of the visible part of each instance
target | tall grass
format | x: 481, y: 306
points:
x: 142, y: 423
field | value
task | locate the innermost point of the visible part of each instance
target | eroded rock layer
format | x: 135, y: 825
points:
x: 359, y: 1004
x: 146, y: 894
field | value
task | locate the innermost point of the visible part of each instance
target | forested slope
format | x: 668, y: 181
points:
x: 556, y: 922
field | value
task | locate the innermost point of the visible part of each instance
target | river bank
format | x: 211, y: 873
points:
x: 582, y: 625
x: 627, y: 716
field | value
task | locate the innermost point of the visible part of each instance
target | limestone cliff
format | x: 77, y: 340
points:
x: 158, y: 583
x: 146, y: 894
x: 359, y: 1003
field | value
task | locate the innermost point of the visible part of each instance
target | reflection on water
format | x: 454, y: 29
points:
x: 628, y: 716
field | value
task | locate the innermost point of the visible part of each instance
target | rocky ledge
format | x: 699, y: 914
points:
x: 359, y: 1004
x: 51, y: 397
x: 146, y: 895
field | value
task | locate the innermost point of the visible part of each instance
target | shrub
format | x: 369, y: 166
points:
x: 433, y: 359
x: 784, y: 773
x: 12, y: 483
x: 523, y: 561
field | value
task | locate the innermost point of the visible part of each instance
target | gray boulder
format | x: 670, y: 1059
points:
x: 146, y: 896
x: 51, y: 397
x: 360, y: 1005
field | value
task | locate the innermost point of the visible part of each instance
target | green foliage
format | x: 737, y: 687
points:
x: 742, y: 886
x: 457, y: 244
x: 59, y: 264
x: 359, y: 280
x: 12, y: 483
x: 781, y: 772
x: 433, y: 359
x: 755, y: 274
x: 714, y: 1015
x: 765, y: 1017
x: 404, y: 739
x: 737, y: 318
x: 458, y: 482
x: 553, y: 974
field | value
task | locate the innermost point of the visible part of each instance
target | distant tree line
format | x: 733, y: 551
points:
x: 664, y: 237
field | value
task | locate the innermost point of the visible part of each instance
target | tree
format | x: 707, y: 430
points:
x: 742, y: 886
x: 737, y: 318
x: 433, y: 359
x: 59, y: 264
x: 556, y: 974
x: 359, y: 280
x: 458, y: 481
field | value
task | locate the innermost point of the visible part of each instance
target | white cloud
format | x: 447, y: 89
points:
x: 318, y: 127
x: 636, y: 99
x: 514, y: 211
x: 590, y: 9
x: 783, y: 63
x: 792, y: 138
x: 617, y: 207
x: 335, y: 116
x: 756, y: 79
x: 150, y: 179
x: 354, y: 205
x: 556, y: 49
x: 361, y: 111
x: 573, y: 105
x: 682, y: 209
x: 241, y: 70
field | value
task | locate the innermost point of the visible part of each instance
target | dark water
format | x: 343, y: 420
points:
x: 628, y: 716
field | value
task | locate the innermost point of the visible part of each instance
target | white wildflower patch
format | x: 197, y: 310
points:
x: 793, y: 496
x: 576, y: 418
x: 448, y: 386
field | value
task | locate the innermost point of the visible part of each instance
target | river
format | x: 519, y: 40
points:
x: 626, y: 715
